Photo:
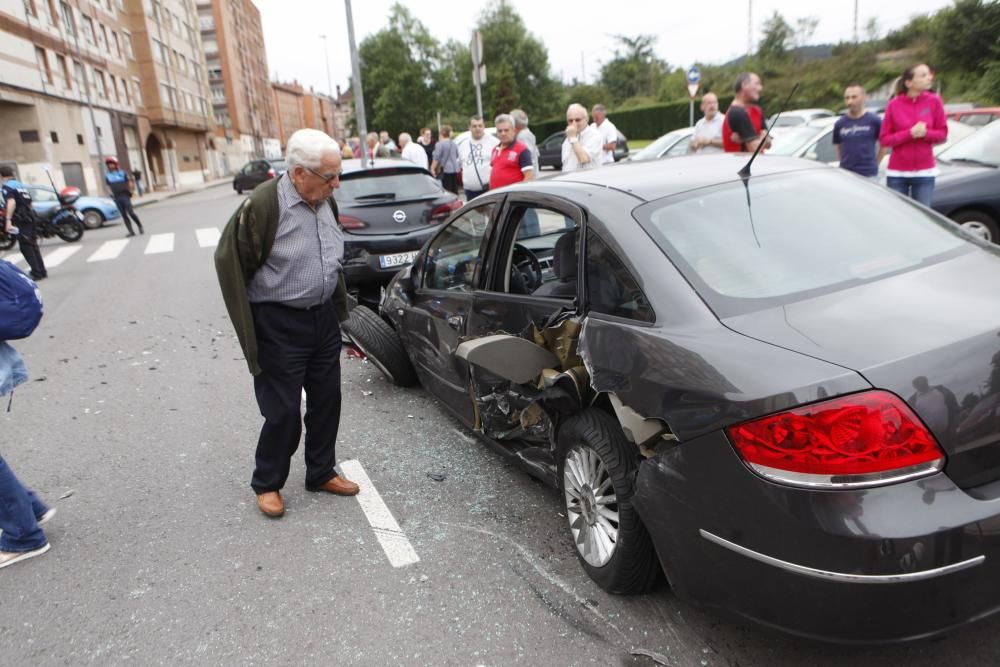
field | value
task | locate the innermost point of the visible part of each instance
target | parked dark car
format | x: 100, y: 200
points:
x: 256, y: 172
x: 968, y: 188
x: 388, y: 209
x: 782, y: 389
x: 550, y: 150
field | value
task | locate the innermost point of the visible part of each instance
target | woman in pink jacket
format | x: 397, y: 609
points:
x: 914, y: 121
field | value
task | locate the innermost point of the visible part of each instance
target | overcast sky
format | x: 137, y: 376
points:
x: 578, y: 34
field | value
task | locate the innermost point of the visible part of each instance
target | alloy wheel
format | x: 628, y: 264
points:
x: 980, y: 229
x: 591, y: 505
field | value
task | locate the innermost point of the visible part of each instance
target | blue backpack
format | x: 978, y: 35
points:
x: 20, y: 303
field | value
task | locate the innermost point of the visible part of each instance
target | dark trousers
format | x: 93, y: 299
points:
x: 124, y: 204
x: 472, y: 194
x: 297, y: 349
x: 27, y: 243
x: 450, y: 182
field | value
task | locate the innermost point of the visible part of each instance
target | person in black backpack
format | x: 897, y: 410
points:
x: 18, y: 212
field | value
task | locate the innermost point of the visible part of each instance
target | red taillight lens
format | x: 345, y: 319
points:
x: 270, y: 173
x: 444, y: 210
x: 350, y: 222
x: 861, y: 438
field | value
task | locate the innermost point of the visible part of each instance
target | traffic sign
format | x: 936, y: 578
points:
x: 693, y: 75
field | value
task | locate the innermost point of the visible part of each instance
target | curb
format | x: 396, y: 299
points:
x: 177, y: 193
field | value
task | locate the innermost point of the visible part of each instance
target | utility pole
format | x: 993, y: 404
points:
x: 855, y: 21
x: 359, y: 98
x: 749, y: 29
x: 476, y: 51
x: 329, y: 81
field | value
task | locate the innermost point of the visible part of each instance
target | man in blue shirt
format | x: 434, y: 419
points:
x: 121, y: 189
x: 18, y: 213
x: 855, y: 135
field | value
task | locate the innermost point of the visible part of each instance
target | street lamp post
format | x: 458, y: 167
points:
x: 359, y: 98
x: 329, y: 80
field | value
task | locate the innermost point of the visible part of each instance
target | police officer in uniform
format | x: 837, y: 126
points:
x: 18, y: 212
x: 119, y: 183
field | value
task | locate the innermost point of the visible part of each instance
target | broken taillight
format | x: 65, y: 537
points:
x: 444, y: 210
x: 350, y: 222
x: 858, y: 440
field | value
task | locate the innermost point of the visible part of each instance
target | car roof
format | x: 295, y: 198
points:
x: 397, y: 164
x: 654, y: 179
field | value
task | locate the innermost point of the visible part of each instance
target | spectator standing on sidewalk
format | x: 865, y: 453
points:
x: 707, y: 137
x: 743, y: 128
x: 411, y: 151
x: 137, y: 177
x: 120, y: 185
x: 608, y: 132
x: 426, y: 139
x: 511, y: 159
x: 525, y: 136
x: 914, y: 121
x: 445, y: 163
x: 18, y: 212
x: 856, y: 135
x: 476, y: 156
x: 583, y: 146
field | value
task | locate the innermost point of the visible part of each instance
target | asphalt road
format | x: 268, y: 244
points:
x: 139, y: 425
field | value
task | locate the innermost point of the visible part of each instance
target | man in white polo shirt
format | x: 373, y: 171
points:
x: 475, y: 154
x: 708, y: 131
x: 608, y: 132
x: 582, y: 148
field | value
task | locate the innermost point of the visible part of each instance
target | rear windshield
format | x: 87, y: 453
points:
x: 279, y: 165
x: 801, y: 234
x: 386, y: 184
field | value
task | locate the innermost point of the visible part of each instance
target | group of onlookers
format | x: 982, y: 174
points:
x: 914, y: 121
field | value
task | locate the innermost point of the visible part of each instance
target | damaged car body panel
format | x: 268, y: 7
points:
x: 560, y: 307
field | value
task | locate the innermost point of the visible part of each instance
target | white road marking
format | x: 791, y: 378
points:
x: 393, y: 540
x: 60, y: 255
x: 160, y: 243
x: 208, y: 237
x: 108, y: 250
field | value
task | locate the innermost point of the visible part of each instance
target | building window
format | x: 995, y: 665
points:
x: 167, y: 95
x: 128, y: 97
x: 55, y: 137
x: 158, y: 52
x: 114, y: 87
x: 88, y: 30
x: 52, y: 12
x: 127, y: 41
x: 29, y: 136
x: 103, y: 37
x: 118, y: 43
x: 29, y: 6
x: 100, y: 84
x: 67, y: 18
x: 43, y: 64
x: 79, y: 139
x: 137, y: 91
x: 64, y: 68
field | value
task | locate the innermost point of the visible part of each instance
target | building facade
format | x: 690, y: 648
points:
x: 289, y: 104
x: 67, y: 95
x: 241, y: 97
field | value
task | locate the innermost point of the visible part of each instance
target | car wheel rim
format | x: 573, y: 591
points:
x: 92, y: 219
x: 591, y: 505
x: 980, y: 229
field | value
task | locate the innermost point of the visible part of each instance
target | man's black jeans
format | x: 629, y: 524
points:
x: 124, y: 204
x: 297, y: 349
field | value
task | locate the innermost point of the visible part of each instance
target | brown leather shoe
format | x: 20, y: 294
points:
x: 339, y: 486
x: 271, y: 504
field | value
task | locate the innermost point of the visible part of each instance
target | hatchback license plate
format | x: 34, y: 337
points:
x: 397, y: 259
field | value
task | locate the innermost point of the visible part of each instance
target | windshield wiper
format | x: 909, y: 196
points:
x: 970, y: 160
x: 377, y: 195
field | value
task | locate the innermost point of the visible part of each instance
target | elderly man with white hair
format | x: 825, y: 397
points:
x: 279, y: 267
x: 411, y: 151
x: 583, y: 147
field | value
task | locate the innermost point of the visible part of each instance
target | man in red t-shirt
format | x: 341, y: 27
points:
x: 743, y: 129
x: 511, y: 161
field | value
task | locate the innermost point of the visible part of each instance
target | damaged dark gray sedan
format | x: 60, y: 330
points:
x: 783, y: 392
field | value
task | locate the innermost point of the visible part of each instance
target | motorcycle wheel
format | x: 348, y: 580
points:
x: 6, y: 242
x: 70, y: 230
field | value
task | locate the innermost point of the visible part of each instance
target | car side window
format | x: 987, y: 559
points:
x: 453, y: 257
x: 39, y: 195
x: 611, y: 289
x: 540, y: 261
x: 824, y: 150
x: 680, y: 148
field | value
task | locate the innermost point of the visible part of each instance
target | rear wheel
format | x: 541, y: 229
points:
x: 979, y: 223
x: 6, y: 241
x: 380, y: 343
x: 92, y: 218
x: 597, y: 468
x: 70, y: 230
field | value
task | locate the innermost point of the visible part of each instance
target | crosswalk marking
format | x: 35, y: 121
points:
x: 160, y: 243
x: 60, y: 255
x: 208, y: 237
x: 108, y: 250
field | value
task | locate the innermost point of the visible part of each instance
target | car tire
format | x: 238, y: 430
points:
x: 92, y: 218
x: 239, y: 190
x: 380, y: 343
x: 593, y: 450
x: 979, y: 223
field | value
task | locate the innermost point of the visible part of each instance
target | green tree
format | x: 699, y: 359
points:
x: 967, y: 36
x: 517, y: 65
x: 778, y: 35
x: 635, y: 71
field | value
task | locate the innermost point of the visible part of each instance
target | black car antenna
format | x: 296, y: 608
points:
x: 745, y: 171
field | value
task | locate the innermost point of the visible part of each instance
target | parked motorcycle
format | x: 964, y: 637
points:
x: 66, y: 222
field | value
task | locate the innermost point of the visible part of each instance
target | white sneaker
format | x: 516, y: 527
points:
x: 11, y: 557
x: 45, y: 517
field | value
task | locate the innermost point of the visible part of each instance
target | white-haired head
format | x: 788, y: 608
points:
x: 520, y: 118
x: 577, y: 108
x: 306, y: 148
x: 404, y: 138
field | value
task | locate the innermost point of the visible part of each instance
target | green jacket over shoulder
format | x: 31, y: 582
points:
x: 243, y: 248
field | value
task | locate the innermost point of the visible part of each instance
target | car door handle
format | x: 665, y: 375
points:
x: 455, y: 322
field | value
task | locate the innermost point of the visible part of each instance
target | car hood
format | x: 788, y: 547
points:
x: 940, y: 322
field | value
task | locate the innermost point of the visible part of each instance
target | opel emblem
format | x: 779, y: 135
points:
x: 399, y: 216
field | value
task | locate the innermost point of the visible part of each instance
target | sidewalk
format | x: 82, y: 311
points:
x: 153, y: 197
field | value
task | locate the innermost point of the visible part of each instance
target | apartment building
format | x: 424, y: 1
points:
x: 169, y: 64
x: 242, y: 102
x: 289, y: 104
x: 67, y: 95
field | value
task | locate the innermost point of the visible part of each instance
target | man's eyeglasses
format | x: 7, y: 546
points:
x: 577, y: 120
x: 327, y: 178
